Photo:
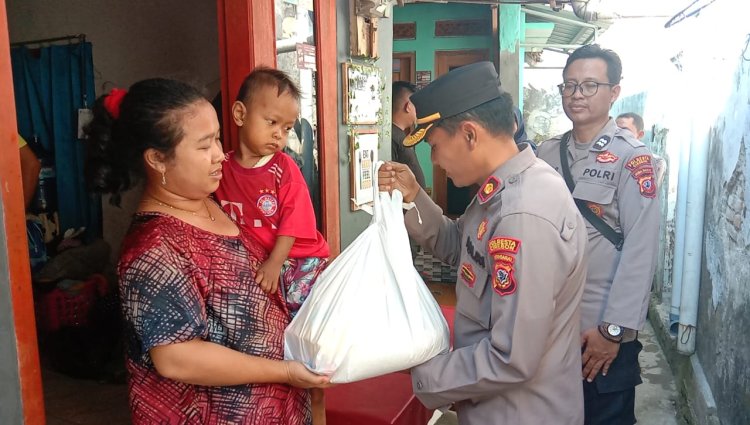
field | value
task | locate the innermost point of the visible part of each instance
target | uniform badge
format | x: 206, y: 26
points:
x: 505, y: 258
x: 467, y: 274
x: 643, y: 173
x: 606, y: 157
x: 638, y: 162
x: 503, y: 244
x: 602, y: 143
x: 596, y: 209
x: 647, y: 186
x: 267, y: 203
x: 482, y: 229
x: 503, y: 281
x: 489, y: 188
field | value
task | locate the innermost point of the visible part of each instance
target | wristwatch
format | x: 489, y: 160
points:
x: 611, y: 332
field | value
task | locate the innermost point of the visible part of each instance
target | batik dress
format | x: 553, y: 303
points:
x: 178, y: 283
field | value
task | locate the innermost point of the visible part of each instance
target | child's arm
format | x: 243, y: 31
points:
x: 267, y: 275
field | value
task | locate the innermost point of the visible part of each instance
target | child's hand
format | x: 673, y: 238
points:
x: 267, y: 276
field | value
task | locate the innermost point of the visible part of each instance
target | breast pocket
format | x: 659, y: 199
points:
x: 469, y: 301
x: 598, y: 193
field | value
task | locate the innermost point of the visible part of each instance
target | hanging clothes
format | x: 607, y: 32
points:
x: 51, y: 85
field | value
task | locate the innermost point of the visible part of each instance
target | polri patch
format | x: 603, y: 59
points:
x: 607, y: 157
x: 647, y: 186
x: 643, y: 173
x: 506, y: 258
x: 503, y: 280
x: 489, y: 188
x: 482, y: 229
x: 467, y: 275
x: 503, y: 244
x: 638, y: 162
x: 602, y: 143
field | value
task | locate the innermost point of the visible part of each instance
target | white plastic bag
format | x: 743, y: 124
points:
x: 369, y: 313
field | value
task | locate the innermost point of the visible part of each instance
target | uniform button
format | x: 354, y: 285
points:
x: 419, y: 385
x: 512, y: 179
x: 570, y: 225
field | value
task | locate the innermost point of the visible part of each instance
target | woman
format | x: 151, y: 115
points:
x: 205, y: 343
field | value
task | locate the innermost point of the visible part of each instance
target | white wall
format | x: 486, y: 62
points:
x: 132, y: 40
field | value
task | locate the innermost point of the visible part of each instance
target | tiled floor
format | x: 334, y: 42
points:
x: 433, y: 270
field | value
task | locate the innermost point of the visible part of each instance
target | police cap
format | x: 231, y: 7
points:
x: 457, y: 91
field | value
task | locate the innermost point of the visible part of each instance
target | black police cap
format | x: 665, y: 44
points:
x: 458, y: 91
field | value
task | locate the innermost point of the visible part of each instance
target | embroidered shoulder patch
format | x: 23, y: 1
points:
x: 638, y: 162
x: 642, y: 171
x: 503, y: 281
x: 489, y: 188
x: 606, y: 157
x: 467, y: 274
x: 503, y: 244
x: 482, y: 229
x: 647, y: 186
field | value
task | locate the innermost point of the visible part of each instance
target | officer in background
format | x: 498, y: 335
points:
x: 404, y: 118
x: 520, y: 252
x: 634, y: 123
x: 611, y: 176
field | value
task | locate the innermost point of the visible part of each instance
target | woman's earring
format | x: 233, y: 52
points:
x: 163, y: 179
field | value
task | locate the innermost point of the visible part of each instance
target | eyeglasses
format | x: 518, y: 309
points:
x: 587, y: 88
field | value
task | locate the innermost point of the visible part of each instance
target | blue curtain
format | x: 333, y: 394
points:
x: 51, y: 84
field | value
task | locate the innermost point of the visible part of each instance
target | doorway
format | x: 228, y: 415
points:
x: 453, y: 200
x: 404, y: 66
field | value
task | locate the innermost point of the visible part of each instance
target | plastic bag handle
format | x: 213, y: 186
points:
x: 377, y: 211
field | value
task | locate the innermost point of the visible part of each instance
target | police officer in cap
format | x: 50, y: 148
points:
x: 520, y: 252
x: 611, y: 175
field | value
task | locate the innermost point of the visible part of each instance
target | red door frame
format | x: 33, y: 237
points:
x: 32, y: 402
x: 247, y: 38
x: 238, y: 54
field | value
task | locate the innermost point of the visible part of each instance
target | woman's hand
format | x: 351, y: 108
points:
x: 393, y: 175
x: 267, y: 276
x: 299, y: 376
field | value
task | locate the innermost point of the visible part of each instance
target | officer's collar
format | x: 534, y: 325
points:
x: 506, y: 173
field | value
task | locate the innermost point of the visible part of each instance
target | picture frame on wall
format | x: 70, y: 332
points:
x: 361, y: 88
x: 364, y: 151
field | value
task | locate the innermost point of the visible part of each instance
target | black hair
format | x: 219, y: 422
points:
x: 147, y: 120
x: 496, y: 116
x: 399, y: 89
x: 594, y: 51
x: 262, y: 77
x: 637, y: 119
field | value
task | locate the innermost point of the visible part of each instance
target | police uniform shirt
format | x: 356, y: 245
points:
x: 520, y: 250
x: 615, y: 177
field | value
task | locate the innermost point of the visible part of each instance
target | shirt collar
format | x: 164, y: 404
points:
x: 507, y: 172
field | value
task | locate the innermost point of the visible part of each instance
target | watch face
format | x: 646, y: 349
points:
x: 614, y: 330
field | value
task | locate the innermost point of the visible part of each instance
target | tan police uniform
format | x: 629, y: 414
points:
x: 615, y: 176
x: 520, y: 250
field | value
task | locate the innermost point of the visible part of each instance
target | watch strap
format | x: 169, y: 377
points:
x: 603, y: 331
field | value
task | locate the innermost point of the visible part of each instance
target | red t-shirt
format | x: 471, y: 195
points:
x: 272, y: 200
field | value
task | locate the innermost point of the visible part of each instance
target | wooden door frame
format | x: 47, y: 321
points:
x: 439, y: 179
x: 412, y: 56
x: 243, y: 45
x: 22, y: 301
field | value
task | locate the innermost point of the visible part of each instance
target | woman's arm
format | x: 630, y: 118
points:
x: 200, y: 362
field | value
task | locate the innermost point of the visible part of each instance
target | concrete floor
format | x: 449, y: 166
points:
x: 655, y: 398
